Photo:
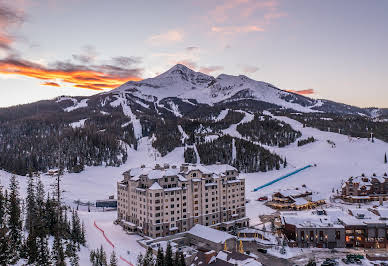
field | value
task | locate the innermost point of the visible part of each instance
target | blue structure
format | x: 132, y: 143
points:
x: 283, y: 177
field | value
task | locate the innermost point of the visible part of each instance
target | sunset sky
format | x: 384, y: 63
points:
x: 332, y: 49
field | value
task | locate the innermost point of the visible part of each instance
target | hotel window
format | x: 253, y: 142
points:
x: 320, y: 235
x: 337, y: 234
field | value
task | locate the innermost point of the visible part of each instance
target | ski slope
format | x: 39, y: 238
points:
x: 350, y: 157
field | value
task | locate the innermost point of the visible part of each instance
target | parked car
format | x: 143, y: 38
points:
x: 262, y: 198
x: 262, y: 250
x: 329, y: 262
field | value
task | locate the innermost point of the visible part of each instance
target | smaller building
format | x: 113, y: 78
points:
x: 313, y: 229
x: 364, y: 229
x: 295, y: 199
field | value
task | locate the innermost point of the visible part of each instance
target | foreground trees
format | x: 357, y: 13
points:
x: 43, y: 218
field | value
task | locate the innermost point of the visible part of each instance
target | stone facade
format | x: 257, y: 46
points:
x: 164, y: 200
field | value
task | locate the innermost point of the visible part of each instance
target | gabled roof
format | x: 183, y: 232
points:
x: 210, y: 234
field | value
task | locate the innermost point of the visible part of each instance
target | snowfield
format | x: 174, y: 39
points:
x: 349, y: 157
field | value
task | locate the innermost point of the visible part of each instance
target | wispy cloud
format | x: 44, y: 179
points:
x: 210, y: 69
x: 189, y: 63
x: 249, y: 69
x: 303, y: 92
x: 192, y: 49
x: 87, y: 56
x: 95, y: 77
x: 8, y: 18
x: 236, y: 29
x: 166, y: 37
x: 242, y: 16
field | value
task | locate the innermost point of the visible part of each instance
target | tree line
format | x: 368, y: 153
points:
x: 27, y: 224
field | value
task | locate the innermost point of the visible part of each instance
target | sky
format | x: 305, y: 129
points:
x: 332, y: 49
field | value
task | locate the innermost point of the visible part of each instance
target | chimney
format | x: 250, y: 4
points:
x: 166, y: 166
x: 184, y: 167
x: 157, y: 166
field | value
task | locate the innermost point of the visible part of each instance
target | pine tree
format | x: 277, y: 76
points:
x: 182, y: 261
x: 168, y: 259
x: 285, y: 162
x: 31, y: 204
x: 176, y: 258
x: 5, y: 252
x: 160, y: 257
x: 102, y: 257
x: 3, y: 208
x: 385, y: 158
x: 148, y: 259
x: 14, y: 221
x: 72, y: 253
x: 139, y: 260
x: 43, y: 256
x: 31, y: 247
x: 40, y: 223
x: 113, y: 259
x: 58, y: 254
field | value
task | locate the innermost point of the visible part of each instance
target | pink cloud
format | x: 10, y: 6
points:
x: 250, y: 69
x: 243, y: 16
x: 236, y: 29
x: 189, y: 63
x: 166, y: 37
x: 210, y: 69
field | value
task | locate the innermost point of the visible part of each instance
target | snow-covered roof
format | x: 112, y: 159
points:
x: 310, y: 219
x: 135, y: 173
x: 220, y: 168
x: 155, y: 186
x: 237, y: 259
x: 209, y: 233
x: 383, y: 212
x: 293, y: 192
x: 300, y: 201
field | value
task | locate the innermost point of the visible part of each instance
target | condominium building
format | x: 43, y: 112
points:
x: 363, y: 189
x: 164, y: 200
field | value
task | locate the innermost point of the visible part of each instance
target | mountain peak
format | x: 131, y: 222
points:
x: 178, y: 70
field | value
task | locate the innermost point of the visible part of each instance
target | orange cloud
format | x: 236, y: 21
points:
x: 95, y: 77
x: 303, y: 92
x: 54, y: 84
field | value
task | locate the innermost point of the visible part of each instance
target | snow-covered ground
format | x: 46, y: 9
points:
x: 350, y: 157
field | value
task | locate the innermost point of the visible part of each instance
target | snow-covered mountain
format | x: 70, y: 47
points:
x: 179, y: 108
x: 186, y: 84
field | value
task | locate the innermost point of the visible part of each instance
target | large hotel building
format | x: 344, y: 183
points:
x: 165, y: 200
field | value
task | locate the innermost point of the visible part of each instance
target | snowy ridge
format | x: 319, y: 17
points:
x: 184, y: 83
x: 121, y: 100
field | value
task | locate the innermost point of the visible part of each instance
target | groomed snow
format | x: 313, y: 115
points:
x: 350, y: 157
x: 77, y: 105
